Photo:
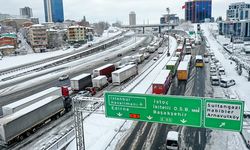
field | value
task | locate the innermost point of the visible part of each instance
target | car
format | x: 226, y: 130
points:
x: 155, y: 58
x: 119, y: 55
x: 225, y: 82
x: 107, y: 59
x: 215, y: 81
x: 134, y: 49
x: 221, y: 71
x: 63, y: 77
x: 84, y: 93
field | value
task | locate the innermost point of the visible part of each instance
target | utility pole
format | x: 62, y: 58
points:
x: 168, y: 11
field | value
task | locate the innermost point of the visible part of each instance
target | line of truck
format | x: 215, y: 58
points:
x: 27, y: 115
x: 177, y: 65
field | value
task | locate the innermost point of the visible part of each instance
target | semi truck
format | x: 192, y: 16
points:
x: 18, y: 105
x: 183, y: 70
x: 80, y: 82
x: 105, y: 70
x: 123, y: 74
x: 100, y: 82
x: 22, y: 123
x: 162, y: 82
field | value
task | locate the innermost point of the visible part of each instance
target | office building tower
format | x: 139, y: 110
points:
x: 197, y: 11
x: 26, y: 12
x: 132, y: 18
x: 53, y: 10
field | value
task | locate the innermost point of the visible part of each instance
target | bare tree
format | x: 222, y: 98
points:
x: 100, y: 27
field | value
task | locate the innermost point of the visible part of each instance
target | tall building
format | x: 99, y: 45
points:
x: 53, y: 10
x: 237, y: 24
x: 76, y: 34
x: 132, y: 18
x: 37, y: 37
x: 238, y: 11
x: 26, y: 12
x: 197, y: 11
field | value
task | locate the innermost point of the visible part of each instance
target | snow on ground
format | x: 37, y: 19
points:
x: 70, y: 68
x: 224, y: 140
x: 100, y: 133
x: 13, y: 61
x: 242, y: 85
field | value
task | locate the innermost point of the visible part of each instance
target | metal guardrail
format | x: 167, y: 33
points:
x: 62, y: 142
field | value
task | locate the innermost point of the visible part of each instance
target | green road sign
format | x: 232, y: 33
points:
x: 224, y: 114
x: 175, y: 110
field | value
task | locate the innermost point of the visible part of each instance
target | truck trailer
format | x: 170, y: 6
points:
x: 16, y: 126
x: 100, y: 82
x: 80, y: 82
x: 183, y: 70
x: 123, y: 74
x: 18, y: 105
x: 105, y: 70
x: 162, y: 82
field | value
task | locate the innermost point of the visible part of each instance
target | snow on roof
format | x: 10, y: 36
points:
x: 187, y: 58
x: 102, y: 67
x: 7, y: 47
x: 99, y: 77
x: 172, y: 63
x: 198, y: 57
x: 28, y: 109
x: 183, y: 65
x: 162, y: 76
x: 31, y: 98
x: 37, y: 25
x: 81, y: 76
x: 172, y: 135
x: 174, y: 58
x: 124, y: 69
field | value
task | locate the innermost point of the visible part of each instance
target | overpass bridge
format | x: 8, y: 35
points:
x: 143, y: 26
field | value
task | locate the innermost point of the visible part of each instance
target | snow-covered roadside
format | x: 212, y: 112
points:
x: 242, y: 84
x: 13, y: 61
x: 224, y: 140
x: 72, y: 68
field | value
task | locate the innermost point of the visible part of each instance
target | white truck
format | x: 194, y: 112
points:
x: 121, y: 75
x: 18, y: 105
x: 100, y: 82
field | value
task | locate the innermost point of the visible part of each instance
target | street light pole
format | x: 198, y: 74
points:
x: 168, y: 10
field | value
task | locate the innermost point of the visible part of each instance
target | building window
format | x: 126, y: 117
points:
x: 246, y: 14
x: 241, y: 15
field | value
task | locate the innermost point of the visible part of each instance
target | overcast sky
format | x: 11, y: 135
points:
x: 112, y: 10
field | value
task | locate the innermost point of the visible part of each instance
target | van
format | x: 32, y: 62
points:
x: 225, y: 82
x: 172, y: 140
x: 215, y: 80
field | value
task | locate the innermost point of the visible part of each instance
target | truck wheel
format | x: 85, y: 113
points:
x: 28, y: 134
x: 20, y: 138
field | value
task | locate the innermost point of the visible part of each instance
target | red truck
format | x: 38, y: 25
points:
x: 162, y: 82
x: 105, y: 70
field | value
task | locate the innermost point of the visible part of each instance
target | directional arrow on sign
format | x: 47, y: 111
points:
x: 119, y: 114
x: 222, y: 124
x: 150, y: 118
x: 183, y: 121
